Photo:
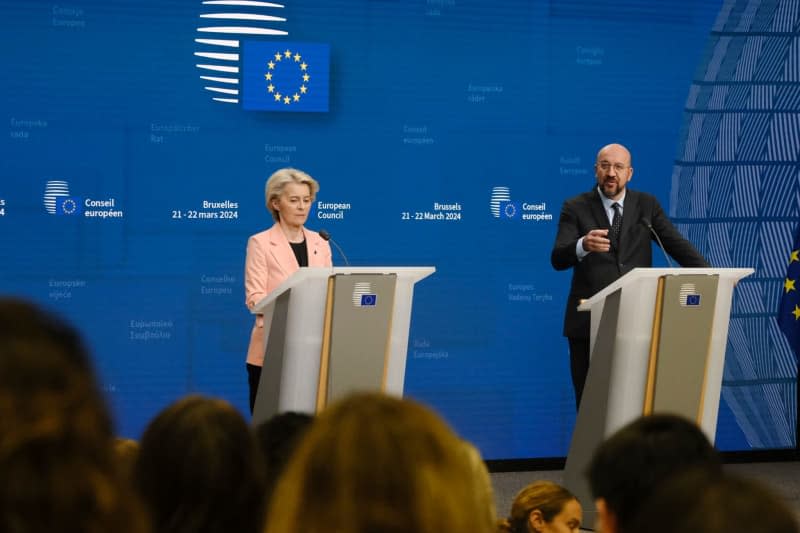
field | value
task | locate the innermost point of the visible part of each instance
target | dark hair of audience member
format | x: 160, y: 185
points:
x: 374, y: 463
x: 704, y: 502
x: 629, y: 465
x: 57, y: 464
x: 199, y: 469
x: 279, y: 437
x: 544, y: 496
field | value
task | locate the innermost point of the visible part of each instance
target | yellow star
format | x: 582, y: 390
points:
x: 306, y: 77
x: 277, y: 97
x: 296, y: 97
x: 271, y: 65
x: 297, y: 58
x: 278, y: 56
x: 303, y: 65
x: 788, y: 285
x: 286, y: 99
x: 268, y: 75
x: 796, y: 312
x: 270, y: 87
x: 303, y: 89
x: 795, y: 256
x: 287, y: 53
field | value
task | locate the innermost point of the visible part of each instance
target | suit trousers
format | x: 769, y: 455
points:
x: 253, y: 378
x: 579, y: 365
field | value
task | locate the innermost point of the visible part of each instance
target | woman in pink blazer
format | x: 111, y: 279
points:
x: 273, y: 255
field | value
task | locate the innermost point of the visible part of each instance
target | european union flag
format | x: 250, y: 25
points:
x: 789, y: 313
x: 509, y: 209
x: 69, y: 205
x: 284, y: 76
x: 369, y: 300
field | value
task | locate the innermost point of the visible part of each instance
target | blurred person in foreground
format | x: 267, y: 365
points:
x: 58, y: 467
x: 706, y: 502
x: 199, y: 469
x: 374, y: 463
x: 543, y: 507
x: 278, y: 438
x: 482, y: 477
x: 275, y: 254
x: 627, y: 468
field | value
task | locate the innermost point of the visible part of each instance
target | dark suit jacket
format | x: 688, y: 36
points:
x: 585, y: 212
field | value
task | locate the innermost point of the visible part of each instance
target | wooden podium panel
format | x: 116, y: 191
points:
x: 355, y: 344
x: 681, y: 346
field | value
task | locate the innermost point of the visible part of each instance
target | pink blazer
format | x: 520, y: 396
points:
x: 270, y: 260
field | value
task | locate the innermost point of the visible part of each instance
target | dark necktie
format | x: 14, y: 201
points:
x: 616, y: 224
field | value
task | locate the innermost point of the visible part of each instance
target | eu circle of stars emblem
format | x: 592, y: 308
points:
x: 286, y: 76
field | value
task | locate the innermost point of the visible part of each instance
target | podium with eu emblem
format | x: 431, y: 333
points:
x: 658, y: 339
x: 333, y: 331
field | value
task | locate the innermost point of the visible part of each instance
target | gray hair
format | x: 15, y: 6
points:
x: 278, y: 181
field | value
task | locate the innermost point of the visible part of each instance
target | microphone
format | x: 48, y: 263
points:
x: 327, y: 236
x: 648, y: 225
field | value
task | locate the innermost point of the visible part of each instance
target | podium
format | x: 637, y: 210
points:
x: 332, y: 331
x: 658, y: 338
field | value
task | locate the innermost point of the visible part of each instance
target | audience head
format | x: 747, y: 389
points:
x: 46, y: 378
x: 543, y: 507
x: 126, y: 451
x: 482, y: 479
x: 706, y: 502
x: 57, y: 464
x: 199, y: 469
x: 630, y: 464
x: 279, y: 437
x: 375, y: 463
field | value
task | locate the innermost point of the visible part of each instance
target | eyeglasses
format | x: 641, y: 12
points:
x: 606, y: 166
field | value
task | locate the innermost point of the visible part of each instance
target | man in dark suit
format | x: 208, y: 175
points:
x: 602, y: 235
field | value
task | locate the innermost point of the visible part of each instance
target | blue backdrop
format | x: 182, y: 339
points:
x: 141, y: 133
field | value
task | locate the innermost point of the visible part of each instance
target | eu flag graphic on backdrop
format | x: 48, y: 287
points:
x: 284, y: 76
x: 789, y: 313
x: 509, y: 209
x: 69, y: 205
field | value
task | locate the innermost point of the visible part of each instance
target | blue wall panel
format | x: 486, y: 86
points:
x: 436, y: 101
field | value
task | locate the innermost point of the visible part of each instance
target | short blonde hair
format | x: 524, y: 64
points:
x: 372, y: 462
x: 278, y: 181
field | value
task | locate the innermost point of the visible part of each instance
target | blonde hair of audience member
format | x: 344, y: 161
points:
x: 375, y: 463
x: 278, y: 181
x: 57, y: 464
x: 483, y: 481
x: 126, y: 451
x: 543, y: 507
